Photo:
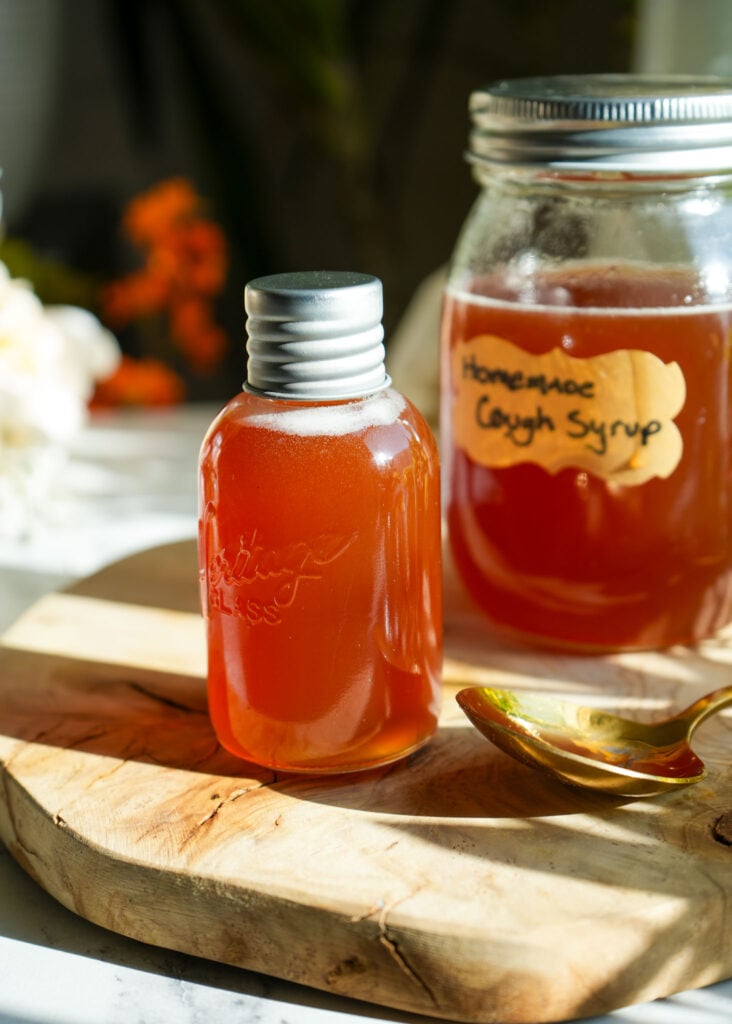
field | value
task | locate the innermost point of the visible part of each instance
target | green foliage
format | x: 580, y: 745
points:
x: 54, y: 283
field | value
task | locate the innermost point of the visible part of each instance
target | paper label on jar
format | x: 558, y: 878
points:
x: 611, y: 415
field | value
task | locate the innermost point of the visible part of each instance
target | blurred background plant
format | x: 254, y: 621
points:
x: 323, y: 133
x: 169, y: 300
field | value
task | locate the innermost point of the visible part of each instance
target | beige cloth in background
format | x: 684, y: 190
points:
x: 413, y: 351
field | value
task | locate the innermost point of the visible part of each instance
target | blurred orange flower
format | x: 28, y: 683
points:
x: 141, y: 294
x: 150, y: 215
x: 144, y: 381
x: 198, y: 337
x: 185, y: 263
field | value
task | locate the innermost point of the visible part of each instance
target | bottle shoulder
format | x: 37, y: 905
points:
x: 384, y: 409
x: 386, y: 422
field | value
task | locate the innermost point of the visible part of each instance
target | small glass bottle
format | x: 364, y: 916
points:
x: 586, y: 384
x: 319, y: 544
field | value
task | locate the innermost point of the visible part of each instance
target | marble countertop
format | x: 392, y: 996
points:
x: 131, y: 485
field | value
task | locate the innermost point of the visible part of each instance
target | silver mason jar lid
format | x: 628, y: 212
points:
x: 673, y: 124
x: 315, y: 335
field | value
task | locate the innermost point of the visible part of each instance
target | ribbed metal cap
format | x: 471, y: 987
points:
x: 315, y: 336
x: 639, y: 124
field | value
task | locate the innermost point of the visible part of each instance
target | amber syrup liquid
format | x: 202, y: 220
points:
x: 572, y: 559
x: 320, y: 564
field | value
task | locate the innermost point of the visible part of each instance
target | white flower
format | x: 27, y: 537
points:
x: 49, y: 361
x: 94, y: 349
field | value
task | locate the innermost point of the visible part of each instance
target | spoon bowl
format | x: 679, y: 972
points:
x: 589, y: 747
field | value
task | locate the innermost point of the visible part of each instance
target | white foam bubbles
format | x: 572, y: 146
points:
x: 301, y: 420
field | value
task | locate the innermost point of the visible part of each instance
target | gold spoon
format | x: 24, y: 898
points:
x: 591, y: 748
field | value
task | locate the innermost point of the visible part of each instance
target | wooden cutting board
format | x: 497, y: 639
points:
x: 459, y: 884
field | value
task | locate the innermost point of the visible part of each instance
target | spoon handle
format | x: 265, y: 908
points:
x: 706, y: 706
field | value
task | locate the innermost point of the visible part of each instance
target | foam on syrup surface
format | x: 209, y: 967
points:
x: 334, y: 420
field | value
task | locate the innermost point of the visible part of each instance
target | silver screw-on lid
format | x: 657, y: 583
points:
x: 672, y: 124
x: 315, y: 335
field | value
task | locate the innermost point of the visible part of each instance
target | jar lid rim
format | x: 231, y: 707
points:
x: 640, y: 123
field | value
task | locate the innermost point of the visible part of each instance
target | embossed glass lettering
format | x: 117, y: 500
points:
x: 257, y: 582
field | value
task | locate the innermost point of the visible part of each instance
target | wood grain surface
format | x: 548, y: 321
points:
x: 458, y: 883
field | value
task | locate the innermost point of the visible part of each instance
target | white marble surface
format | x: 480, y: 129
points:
x: 132, y: 485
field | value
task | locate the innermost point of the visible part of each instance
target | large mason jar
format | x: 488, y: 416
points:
x: 586, y: 410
